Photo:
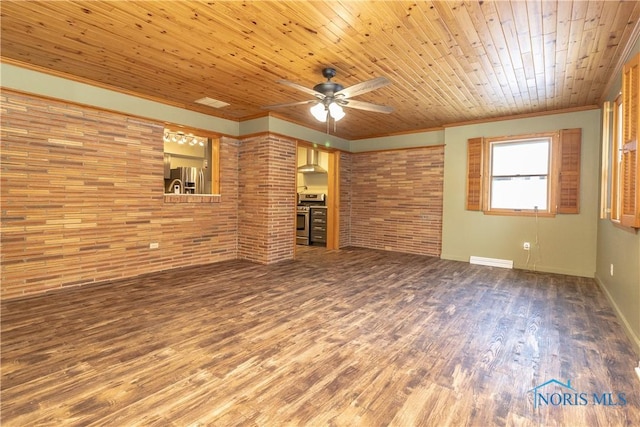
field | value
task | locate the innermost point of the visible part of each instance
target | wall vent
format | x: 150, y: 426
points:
x: 491, y: 262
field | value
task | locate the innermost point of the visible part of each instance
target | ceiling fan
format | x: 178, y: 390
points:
x: 330, y: 97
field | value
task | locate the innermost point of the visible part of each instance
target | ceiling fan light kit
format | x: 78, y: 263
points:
x: 336, y: 111
x: 330, y: 97
x: 322, y: 113
x: 319, y: 111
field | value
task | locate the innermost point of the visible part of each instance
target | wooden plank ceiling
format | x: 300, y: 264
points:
x: 448, y: 62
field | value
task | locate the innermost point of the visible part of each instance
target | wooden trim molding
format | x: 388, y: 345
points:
x: 333, y: 202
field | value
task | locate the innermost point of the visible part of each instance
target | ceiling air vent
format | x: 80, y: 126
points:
x: 210, y: 102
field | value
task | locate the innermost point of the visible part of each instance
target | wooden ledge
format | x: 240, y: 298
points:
x: 192, y: 198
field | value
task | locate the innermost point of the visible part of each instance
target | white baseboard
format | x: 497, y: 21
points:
x: 491, y: 262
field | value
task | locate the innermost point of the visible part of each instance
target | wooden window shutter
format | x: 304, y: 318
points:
x: 630, y: 178
x: 474, y: 174
x: 568, y: 195
x: 630, y: 205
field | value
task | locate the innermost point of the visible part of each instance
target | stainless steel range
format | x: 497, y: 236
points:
x: 306, y: 203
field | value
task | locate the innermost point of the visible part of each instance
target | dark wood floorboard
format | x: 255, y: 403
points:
x: 344, y: 338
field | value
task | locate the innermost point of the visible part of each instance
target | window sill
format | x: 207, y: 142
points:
x: 192, y: 198
x: 619, y: 225
x: 521, y: 213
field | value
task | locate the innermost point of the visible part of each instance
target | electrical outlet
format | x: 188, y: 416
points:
x: 611, y: 269
x: 526, y: 246
x: 154, y: 245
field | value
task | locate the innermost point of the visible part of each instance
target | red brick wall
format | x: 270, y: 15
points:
x: 82, y: 198
x: 396, y: 200
x: 267, y: 199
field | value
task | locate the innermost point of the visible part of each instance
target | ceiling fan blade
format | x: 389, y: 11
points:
x: 363, y: 87
x: 302, y: 88
x: 367, y: 106
x: 290, y: 104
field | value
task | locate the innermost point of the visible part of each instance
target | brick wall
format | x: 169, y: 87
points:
x: 345, y: 198
x: 396, y: 200
x: 267, y: 199
x: 82, y: 198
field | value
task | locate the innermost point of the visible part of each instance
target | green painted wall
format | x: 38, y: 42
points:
x: 567, y: 242
x: 621, y: 248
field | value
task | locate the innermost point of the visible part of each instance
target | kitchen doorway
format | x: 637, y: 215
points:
x: 317, y: 179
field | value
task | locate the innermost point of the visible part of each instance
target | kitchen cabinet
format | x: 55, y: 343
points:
x: 318, y: 225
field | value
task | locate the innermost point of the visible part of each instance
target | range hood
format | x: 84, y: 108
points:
x: 312, y: 163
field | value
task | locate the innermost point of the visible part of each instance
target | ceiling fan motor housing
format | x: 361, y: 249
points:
x: 328, y: 88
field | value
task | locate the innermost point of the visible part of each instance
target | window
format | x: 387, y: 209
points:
x: 191, y: 163
x: 524, y: 175
x: 520, y: 174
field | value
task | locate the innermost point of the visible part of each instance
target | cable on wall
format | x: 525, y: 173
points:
x: 537, y: 241
x: 536, y: 244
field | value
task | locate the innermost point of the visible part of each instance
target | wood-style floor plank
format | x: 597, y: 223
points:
x: 343, y: 338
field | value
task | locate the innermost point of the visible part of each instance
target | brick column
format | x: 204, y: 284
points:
x: 267, y: 198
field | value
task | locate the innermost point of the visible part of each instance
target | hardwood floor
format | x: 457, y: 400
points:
x: 344, y: 338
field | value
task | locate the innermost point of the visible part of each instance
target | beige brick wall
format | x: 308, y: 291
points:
x: 396, y: 200
x: 345, y: 198
x: 82, y: 198
x: 267, y: 199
